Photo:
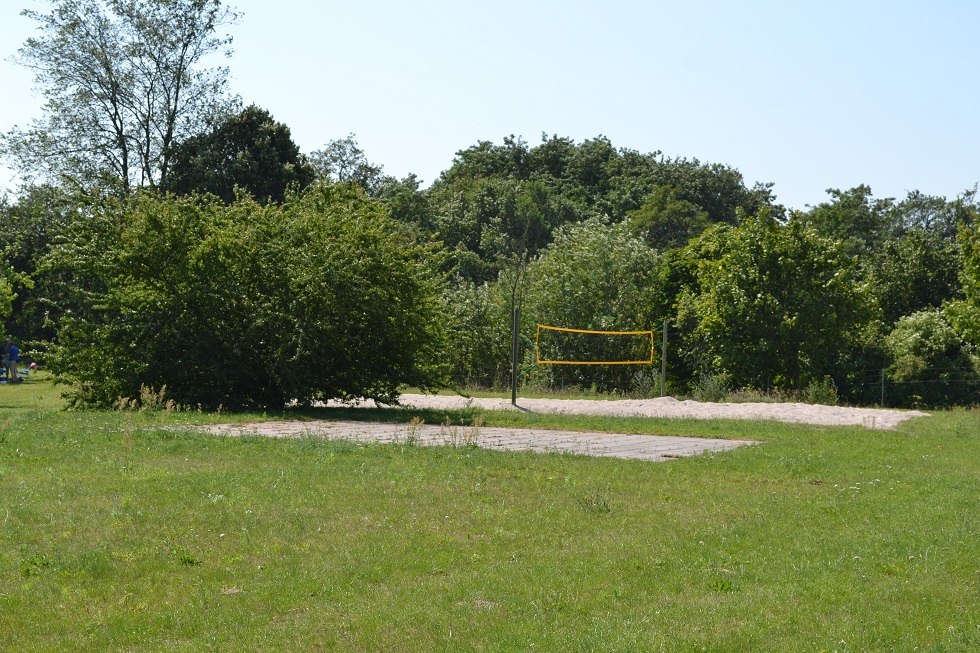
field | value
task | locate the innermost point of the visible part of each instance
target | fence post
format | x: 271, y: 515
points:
x: 882, y: 403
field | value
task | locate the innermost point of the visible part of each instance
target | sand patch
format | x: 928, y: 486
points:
x: 670, y: 408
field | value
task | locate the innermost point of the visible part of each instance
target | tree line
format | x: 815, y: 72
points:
x: 169, y: 236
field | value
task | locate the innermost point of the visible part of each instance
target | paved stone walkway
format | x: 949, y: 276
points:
x: 640, y: 447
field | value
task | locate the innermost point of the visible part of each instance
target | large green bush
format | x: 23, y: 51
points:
x: 772, y: 304
x: 247, y: 305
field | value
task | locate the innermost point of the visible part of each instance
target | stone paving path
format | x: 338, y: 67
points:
x: 639, y: 447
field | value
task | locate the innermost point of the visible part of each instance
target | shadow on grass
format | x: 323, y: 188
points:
x: 394, y: 414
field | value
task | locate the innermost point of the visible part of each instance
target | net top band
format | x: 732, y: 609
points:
x: 605, y: 333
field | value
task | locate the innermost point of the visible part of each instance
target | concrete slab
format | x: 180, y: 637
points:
x: 638, y: 447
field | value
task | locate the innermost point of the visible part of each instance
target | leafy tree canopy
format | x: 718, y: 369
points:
x: 28, y: 228
x: 342, y: 160
x: 667, y: 221
x: 670, y: 200
x: 854, y: 217
x: 249, y: 151
x: 7, y: 295
x: 916, y: 271
x: 933, y: 215
x: 714, y: 188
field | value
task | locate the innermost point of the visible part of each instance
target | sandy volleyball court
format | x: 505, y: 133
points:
x: 670, y: 408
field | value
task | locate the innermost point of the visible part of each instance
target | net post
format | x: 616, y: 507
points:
x: 514, y: 342
x: 663, y: 364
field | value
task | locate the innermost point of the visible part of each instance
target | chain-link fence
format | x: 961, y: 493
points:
x: 927, y: 387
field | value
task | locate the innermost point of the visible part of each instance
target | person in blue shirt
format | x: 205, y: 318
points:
x: 12, y: 357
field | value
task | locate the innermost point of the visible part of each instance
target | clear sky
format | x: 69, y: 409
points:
x: 807, y: 95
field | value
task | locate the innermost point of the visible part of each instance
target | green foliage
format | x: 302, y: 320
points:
x: 596, y: 276
x: 853, y: 217
x: 934, y: 215
x: 823, y: 392
x: 11, y: 280
x: 27, y: 230
x: 712, y: 387
x: 716, y: 189
x: 248, y: 151
x: 772, y: 304
x: 932, y: 366
x: 670, y: 200
x: 407, y: 203
x: 247, y: 305
x: 7, y: 295
x: 479, y: 334
x: 342, y: 160
x: 964, y: 314
x: 510, y: 160
x: 487, y: 224
x: 916, y: 271
x: 667, y: 221
x: 498, y: 200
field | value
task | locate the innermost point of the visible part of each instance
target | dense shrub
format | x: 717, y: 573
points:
x: 932, y: 366
x: 771, y: 305
x: 479, y: 334
x: 247, y: 305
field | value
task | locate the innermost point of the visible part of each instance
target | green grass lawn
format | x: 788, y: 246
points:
x: 120, y: 532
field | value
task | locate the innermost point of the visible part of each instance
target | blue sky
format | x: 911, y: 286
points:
x: 807, y: 95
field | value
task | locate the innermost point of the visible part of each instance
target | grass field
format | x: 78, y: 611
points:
x: 120, y: 532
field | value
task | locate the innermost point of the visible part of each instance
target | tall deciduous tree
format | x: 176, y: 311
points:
x: 714, y: 188
x: 932, y: 214
x: 249, y: 150
x: 342, y: 160
x: 915, y: 272
x: 667, y: 220
x: 28, y: 228
x: 122, y: 85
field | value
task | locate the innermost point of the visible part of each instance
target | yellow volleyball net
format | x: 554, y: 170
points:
x: 565, y: 346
